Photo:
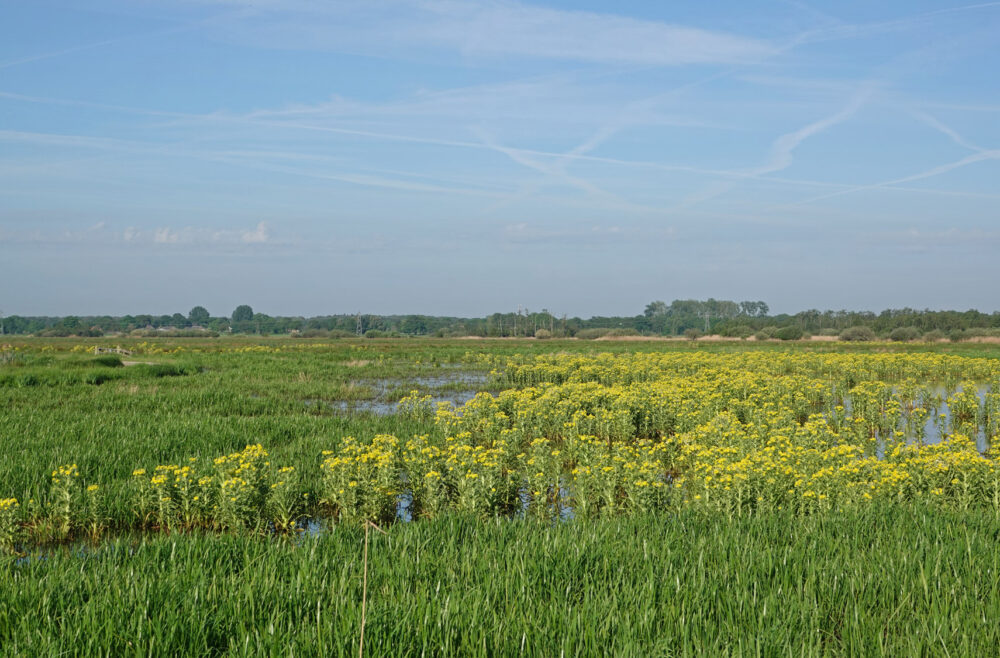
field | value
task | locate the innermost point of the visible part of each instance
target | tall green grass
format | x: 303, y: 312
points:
x: 892, y: 582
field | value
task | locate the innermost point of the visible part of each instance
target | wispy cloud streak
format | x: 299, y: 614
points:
x: 784, y: 146
x: 489, y: 28
x: 929, y: 173
x: 947, y: 130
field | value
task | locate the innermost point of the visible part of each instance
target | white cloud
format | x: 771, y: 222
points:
x: 189, y: 235
x: 487, y: 28
x: 508, y: 28
x: 100, y: 233
x: 165, y: 236
x: 259, y: 235
x: 841, y: 30
x: 528, y: 233
x: 554, y: 99
x: 916, y: 240
x: 57, y: 140
x: 105, y: 42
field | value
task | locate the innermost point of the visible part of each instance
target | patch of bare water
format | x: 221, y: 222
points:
x: 455, y: 387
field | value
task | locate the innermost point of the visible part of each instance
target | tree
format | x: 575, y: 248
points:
x: 693, y: 334
x: 243, y: 313
x: 754, y: 309
x: 654, y: 309
x: 727, y: 309
x: 687, y: 314
x: 198, y: 315
x: 413, y: 324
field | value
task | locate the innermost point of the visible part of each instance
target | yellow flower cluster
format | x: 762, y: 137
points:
x: 361, y: 480
x: 734, y: 432
x: 67, y: 472
x: 242, y: 490
x: 545, y: 478
x: 10, y: 523
x: 608, y: 368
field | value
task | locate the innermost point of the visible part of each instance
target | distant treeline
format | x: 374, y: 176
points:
x: 681, y: 317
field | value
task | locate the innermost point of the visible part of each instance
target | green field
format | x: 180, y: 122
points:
x: 519, y: 552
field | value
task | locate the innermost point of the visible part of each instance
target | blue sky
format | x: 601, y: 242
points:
x: 459, y: 157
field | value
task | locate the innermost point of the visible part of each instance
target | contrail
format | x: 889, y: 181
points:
x: 107, y: 42
x: 935, y: 171
x: 947, y: 130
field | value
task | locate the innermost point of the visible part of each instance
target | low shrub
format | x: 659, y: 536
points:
x: 739, y: 331
x: 622, y: 332
x: 858, y: 333
x: 377, y: 333
x: 173, y: 333
x: 791, y: 332
x: 973, y: 332
x: 904, y: 334
x: 766, y: 333
x: 312, y: 333
x: 605, y: 332
x: 591, y: 334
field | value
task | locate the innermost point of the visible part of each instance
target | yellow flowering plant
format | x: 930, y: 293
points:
x: 64, y: 499
x: 11, y: 529
x: 284, y: 502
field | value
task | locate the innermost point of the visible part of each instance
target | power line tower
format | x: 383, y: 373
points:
x: 359, y: 329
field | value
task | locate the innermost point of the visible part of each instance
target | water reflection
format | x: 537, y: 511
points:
x: 454, y: 387
x: 936, y: 405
